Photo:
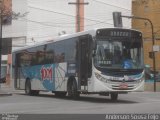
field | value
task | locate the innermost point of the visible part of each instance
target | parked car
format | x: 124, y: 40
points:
x: 149, y: 74
x: 3, y: 74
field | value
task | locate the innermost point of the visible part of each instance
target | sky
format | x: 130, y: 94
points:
x: 49, y: 18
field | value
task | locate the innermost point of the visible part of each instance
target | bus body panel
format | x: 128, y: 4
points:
x: 100, y: 86
x: 96, y: 85
x: 60, y: 77
x: 50, y: 77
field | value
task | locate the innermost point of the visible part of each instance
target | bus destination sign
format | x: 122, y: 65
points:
x: 118, y: 33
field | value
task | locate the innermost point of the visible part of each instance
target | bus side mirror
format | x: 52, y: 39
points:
x: 94, y: 48
x: 94, y: 45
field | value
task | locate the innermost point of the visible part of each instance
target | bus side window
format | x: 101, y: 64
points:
x: 18, y: 61
x: 50, y: 54
x: 59, y: 52
x: 70, y: 50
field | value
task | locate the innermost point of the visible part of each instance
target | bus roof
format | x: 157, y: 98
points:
x: 63, y: 37
x: 59, y: 38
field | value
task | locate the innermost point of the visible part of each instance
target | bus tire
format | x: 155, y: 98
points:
x: 114, y: 96
x: 60, y: 94
x: 28, y: 90
x: 72, y: 89
x: 35, y: 92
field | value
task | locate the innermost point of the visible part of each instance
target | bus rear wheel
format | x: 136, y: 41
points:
x: 28, y: 90
x: 114, y: 96
x: 72, y: 89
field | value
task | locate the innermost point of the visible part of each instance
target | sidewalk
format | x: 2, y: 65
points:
x: 5, y: 90
x: 149, y: 86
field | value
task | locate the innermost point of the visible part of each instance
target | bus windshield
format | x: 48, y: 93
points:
x: 118, y: 54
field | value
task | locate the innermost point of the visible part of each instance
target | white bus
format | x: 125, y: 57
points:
x: 107, y: 61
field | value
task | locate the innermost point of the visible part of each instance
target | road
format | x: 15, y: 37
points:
x: 146, y: 102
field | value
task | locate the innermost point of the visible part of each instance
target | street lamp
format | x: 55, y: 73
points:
x: 153, y: 43
x: 0, y: 36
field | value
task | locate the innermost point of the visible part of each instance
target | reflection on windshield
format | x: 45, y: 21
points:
x: 119, y: 55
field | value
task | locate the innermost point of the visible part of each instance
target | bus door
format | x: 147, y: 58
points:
x: 84, y: 60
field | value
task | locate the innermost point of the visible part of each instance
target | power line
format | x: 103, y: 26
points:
x: 40, y: 36
x: 104, y: 3
x: 42, y: 23
x: 51, y: 11
x: 48, y: 26
x: 45, y: 1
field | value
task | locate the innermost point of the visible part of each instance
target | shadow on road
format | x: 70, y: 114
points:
x: 105, y: 100
x: 93, y: 99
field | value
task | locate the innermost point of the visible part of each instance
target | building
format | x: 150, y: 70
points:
x: 149, y: 9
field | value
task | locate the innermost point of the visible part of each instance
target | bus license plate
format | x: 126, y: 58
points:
x: 123, y: 86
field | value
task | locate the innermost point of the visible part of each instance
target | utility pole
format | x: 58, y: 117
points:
x: 1, y: 12
x: 79, y: 14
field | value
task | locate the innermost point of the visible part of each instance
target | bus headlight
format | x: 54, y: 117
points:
x: 100, y: 77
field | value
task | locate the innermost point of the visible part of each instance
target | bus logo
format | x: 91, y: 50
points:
x: 46, y: 73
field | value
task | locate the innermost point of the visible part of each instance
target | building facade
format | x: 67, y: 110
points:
x: 149, y: 9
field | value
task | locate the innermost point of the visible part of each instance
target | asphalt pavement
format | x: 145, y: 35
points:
x: 5, y: 90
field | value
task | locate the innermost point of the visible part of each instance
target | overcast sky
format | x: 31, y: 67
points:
x: 48, y: 18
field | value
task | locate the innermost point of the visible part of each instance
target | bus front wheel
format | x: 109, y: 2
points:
x: 60, y: 94
x: 114, y: 96
x: 72, y: 89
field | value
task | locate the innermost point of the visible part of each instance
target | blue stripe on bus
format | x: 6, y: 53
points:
x: 44, y: 73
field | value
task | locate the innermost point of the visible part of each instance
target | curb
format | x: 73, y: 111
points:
x: 5, y: 94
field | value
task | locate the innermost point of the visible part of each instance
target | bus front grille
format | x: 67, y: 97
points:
x: 123, y: 86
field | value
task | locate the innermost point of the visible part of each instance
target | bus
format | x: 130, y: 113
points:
x: 105, y: 61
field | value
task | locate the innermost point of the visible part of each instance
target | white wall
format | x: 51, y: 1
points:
x: 18, y: 42
x: 47, y: 18
x: 18, y: 27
